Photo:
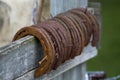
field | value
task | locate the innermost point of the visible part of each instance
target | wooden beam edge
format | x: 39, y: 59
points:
x: 15, y: 45
x: 84, y: 57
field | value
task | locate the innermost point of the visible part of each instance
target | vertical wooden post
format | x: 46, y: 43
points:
x: 58, y: 6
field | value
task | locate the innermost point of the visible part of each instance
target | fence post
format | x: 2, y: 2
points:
x: 58, y: 6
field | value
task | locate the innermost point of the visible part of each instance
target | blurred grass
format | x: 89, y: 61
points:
x: 108, y: 58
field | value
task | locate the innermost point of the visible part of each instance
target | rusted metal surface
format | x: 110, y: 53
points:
x: 95, y: 26
x: 48, y: 49
x: 68, y: 34
x: 86, y: 22
x: 96, y: 9
x: 74, y: 26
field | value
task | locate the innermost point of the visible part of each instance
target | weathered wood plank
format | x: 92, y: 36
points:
x: 22, y: 56
x: 69, y: 68
x: 19, y: 57
x: 76, y: 73
x: 58, y: 6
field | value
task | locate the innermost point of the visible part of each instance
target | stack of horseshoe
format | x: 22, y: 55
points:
x: 63, y: 37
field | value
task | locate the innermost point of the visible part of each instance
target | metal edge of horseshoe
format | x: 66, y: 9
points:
x: 37, y: 33
x: 74, y: 18
x: 69, y: 39
x: 67, y: 25
x: 95, y: 24
x: 87, y: 25
x: 53, y: 25
x: 62, y: 34
x: 76, y: 27
x: 54, y: 37
x: 73, y: 32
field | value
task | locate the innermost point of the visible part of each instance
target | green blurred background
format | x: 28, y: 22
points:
x: 108, y: 58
